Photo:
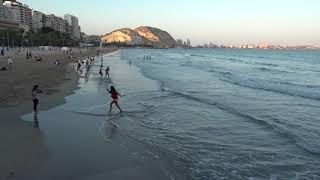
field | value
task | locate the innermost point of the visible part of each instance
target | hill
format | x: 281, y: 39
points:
x: 141, y: 36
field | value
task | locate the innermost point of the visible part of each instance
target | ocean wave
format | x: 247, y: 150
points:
x: 224, y: 73
x: 228, y: 58
x: 265, y: 69
x: 265, y: 64
x: 292, y: 89
x: 307, y: 141
x: 197, y: 55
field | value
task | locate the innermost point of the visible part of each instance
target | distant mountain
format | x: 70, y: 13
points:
x: 141, y: 36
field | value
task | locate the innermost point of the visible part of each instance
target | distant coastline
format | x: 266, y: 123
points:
x: 273, y: 47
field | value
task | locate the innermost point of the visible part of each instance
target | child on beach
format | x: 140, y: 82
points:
x: 100, y: 71
x: 114, y: 96
x: 107, y: 71
x: 35, y: 97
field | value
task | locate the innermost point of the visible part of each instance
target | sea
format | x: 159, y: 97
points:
x: 213, y: 113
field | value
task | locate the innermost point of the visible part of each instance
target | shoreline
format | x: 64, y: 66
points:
x: 16, y: 85
x: 69, y: 144
x: 20, y: 135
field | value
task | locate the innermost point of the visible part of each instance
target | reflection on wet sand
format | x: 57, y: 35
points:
x: 36, y: 121
x: 110, y: 131
x: 23, y: 148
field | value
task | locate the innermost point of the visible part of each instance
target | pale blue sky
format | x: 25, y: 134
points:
x: 219, y: 21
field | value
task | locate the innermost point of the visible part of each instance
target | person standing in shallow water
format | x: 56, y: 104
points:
x: 100, y: 71
x: 107, y: 71
x: 35, y: 97
x: 114, y: 96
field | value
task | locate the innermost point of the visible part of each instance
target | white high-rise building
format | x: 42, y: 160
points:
x: 1, y: 10
x: 26, y: 16
x: 21, y: 14
x: 56, y: 23
x: 179, y: 42
x: 6, y: 19
x: 75, y: 30
x: 15, y: 10
x: 38, y: 19
x: 188, y: 43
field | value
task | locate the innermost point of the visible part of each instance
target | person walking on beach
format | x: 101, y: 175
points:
x: 114, y: 96
x: 10, y: 63
x: 35, y: 97
x: 100, y: 71
x: 107, y: 71
x: 78, y: 66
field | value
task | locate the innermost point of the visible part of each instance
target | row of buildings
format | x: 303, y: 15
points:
x: 262, y: 45
x: 13, y: 12
x: 184, y: 44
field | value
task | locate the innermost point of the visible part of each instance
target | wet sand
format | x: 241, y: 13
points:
x: 76, y: 145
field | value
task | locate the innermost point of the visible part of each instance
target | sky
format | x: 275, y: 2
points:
x: 291, y: 22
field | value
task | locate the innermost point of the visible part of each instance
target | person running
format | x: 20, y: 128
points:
x: 107, y: 71
x: 114, y: 96
x: 78, y: 66
x: 100, y: 71
x: 35, y: 97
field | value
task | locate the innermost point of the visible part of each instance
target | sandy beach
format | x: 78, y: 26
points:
x: 15, y: 89
x: 16, y: 84
x: 76, y: 140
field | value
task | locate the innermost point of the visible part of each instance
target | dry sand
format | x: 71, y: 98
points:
x: 16, y: 84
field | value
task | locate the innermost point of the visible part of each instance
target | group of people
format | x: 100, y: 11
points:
x: 36, y: 91
x: 84, y: 64
x: 113, y: 92
x: 106, y: 71
x: 146, y: 57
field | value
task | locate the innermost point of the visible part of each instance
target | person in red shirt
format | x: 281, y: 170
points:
x: 114, y: 96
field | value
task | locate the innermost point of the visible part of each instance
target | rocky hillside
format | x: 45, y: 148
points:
x: 141, y: 36
x: 124, y: 35
x: 156, y: 36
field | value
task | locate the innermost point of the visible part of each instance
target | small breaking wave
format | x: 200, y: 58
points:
x: 298, y: 90
x: 302, y: 140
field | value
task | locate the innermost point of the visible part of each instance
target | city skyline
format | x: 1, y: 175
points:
x: 229, y: 22
x: 17, y: 15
